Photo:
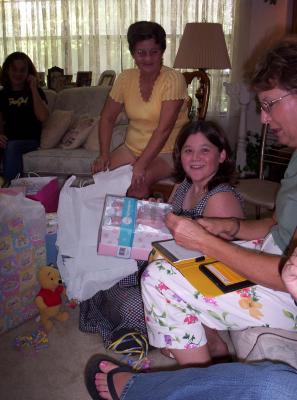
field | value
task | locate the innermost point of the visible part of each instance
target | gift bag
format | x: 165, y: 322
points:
x: 41, y: 188
x: 79, y: 214
x: 22, y: 252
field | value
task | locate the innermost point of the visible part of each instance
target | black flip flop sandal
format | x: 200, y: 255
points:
x: 92, y: 368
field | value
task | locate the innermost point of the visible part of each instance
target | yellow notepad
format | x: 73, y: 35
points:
x: 209, y: 276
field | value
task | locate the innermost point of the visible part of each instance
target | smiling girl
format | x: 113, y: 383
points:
x: 203, y: 165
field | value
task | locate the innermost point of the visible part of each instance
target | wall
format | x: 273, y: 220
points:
x: 259, y: 25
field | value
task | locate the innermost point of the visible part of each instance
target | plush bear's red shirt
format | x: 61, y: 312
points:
x: 51, y: 298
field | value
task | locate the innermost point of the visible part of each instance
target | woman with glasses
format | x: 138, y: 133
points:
x: 155, y: 100
x: 176, y: 314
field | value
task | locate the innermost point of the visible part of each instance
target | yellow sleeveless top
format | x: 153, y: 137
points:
x: 144, y: 115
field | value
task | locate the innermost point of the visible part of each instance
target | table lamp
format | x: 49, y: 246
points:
x: 202, y: 47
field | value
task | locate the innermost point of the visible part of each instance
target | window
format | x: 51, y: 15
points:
x: 90, y: 35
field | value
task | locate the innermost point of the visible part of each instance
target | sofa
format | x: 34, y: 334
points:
x: 70, y: 109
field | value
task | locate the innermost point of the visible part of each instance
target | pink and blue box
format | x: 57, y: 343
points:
x: 22, y: 251
x: 27, y: 242
x: 129, y: 226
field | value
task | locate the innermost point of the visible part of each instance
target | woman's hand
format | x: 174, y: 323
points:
x: 226, y: 228
x: 3, y: 141
x: 289, y: 274
x: 186, y: 232
x: 101, y: 163
x: 139, y: 175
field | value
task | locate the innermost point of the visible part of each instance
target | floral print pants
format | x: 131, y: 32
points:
x: 175, y: 310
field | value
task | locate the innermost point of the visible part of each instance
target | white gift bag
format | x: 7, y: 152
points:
x: 79, y: 214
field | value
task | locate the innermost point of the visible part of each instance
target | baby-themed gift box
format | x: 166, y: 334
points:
x: 22, y: 252
x: 129, y: 226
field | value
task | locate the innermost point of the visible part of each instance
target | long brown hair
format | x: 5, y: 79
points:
x: 17, y: 55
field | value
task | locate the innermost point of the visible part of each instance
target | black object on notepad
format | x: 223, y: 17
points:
x: 226, y: 288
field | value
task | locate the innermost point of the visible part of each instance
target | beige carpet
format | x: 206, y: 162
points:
x: 56, y: 372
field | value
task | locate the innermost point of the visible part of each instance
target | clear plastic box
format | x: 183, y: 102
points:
x: 129, y: 226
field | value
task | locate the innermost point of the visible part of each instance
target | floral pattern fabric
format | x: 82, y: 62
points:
x: 175, y: 310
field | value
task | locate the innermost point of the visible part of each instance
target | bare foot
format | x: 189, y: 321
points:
x: 119, y: 379
x: 166, y: 352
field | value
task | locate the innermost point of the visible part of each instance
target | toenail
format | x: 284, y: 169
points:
x: 103, y: 364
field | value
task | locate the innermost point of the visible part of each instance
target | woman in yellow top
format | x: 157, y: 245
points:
x: 155, y: 100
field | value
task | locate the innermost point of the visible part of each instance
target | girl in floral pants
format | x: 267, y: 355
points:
x: 176, y: 312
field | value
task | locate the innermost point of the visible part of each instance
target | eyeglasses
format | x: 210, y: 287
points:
x: 266, y: 106
x: 143, y: 53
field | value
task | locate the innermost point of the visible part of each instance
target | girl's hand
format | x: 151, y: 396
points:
x: 3, y: 141
x: 32, y: 82
x: 101, y: 163
x: 289, y: 274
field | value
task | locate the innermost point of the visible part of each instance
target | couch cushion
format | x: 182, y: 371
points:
x: 59, y: 162
x: 78, y: 133
x: 83, y: 100
x: 51, y: 97
x: 122, y: 118
x: 54, y: 128
x: 118, y: 137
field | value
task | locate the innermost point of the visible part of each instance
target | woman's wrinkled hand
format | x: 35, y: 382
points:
x: 101, y: 163
x: 3, y: 141
x: 186, y: 232
x: 289, y: 274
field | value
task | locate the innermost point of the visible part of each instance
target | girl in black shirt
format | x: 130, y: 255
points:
x: 23, y: 108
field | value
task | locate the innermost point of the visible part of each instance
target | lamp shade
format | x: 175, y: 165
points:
x: 202, y: 45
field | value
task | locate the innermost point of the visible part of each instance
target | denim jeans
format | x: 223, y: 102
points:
x: 13, y: 156
x: 258, y: 381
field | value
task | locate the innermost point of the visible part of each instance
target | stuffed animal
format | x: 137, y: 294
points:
x: 49, y: 298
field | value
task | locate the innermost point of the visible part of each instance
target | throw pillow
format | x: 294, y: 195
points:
x: 122, y: 118
x: 78, y: 133
x: 54, y: 128
x: 92, y: 142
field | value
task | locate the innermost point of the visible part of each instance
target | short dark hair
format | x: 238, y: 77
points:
x: 143, y: 30
x: 213, y: 133
x: 277, y: 67
x: 17, y: 55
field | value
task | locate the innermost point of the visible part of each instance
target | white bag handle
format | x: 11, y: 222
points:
x: 32, y: 174
x: 29, y: 175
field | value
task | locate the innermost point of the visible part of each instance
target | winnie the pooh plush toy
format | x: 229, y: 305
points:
x: 49, y: 297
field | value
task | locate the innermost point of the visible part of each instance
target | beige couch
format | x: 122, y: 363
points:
x: 65, y: 162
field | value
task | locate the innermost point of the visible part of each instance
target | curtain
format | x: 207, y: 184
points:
x: 90, y: 35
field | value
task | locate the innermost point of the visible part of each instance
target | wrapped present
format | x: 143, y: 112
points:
x: 129, y: 226
x: 22, y: 252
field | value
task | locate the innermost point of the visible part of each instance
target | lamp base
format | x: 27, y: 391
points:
x: 202, y: 92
